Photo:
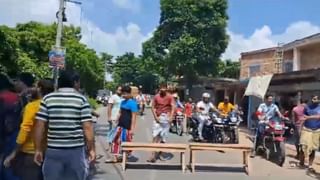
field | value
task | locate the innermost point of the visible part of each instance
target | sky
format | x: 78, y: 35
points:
x: 119, y: 26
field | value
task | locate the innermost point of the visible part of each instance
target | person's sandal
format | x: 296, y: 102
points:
x: 153, y: 160
x: 112, y: 160
x: 311, y: 170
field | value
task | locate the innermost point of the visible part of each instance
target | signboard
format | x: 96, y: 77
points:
x: 57, y: 58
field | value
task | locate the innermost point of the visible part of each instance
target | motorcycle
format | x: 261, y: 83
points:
x: 226, y: 128
x: 207, y: 130
x: 177, y: 124
x: 272, y: 140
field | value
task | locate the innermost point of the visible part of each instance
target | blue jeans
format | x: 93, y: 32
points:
x: 68, y: 164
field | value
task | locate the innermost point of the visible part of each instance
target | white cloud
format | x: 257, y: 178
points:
x: 128, y: 39
x: 133, y: 5
x: 264, y: 38
x: 124, y: 39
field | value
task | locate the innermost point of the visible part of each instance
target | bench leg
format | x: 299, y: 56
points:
x: 246, y: 161
x: 183, y: 162
x: 193, y: 161
x: 124, y: 160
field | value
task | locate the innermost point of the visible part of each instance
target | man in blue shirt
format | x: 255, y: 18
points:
x: 310, y: 133
x: 126, y: 124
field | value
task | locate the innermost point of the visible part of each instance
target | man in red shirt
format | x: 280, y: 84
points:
x: 188, y: 110
x: 163, y: 108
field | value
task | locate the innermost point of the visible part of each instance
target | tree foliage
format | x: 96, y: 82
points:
x: 194, y: 34
x: 229, y: 69
x: 25, y: 49
x: 129, y: 69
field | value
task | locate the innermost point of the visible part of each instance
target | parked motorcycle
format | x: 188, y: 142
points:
x: 272, y: 141
x: 177, y: 123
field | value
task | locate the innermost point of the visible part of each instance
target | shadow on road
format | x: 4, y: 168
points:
x: 154, y: 166
x: 211, y: 169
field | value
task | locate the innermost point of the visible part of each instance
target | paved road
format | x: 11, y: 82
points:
x: 262, y: 169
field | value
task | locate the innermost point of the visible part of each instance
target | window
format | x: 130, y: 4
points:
x: 254, y: 69
x: 288, y: 66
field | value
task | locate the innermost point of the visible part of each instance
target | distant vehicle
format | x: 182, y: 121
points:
x: 103, y: 96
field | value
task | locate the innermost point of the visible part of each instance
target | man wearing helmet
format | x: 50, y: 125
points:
x: 203, y: 109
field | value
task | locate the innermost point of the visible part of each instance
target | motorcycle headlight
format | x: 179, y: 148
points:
x: 219, y: 120
x: 267, y: 127
x: 233, y: 119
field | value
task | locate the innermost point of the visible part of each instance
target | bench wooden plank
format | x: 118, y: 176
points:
x: 220, y: 147
x: 216, y: 149
x: 235, y: 146
x: 135, y: 146
x: 153, y: 149
x: 160, y: 145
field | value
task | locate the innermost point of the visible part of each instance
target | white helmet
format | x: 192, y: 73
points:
x: 206, y: 95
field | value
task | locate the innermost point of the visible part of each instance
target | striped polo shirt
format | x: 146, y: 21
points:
x: 65, y: 111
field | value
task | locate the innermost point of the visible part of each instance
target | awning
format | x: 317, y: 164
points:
x: 258, y: 86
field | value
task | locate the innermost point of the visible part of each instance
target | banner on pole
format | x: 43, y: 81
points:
x: 57, y: 58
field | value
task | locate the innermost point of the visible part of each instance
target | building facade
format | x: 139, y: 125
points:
x: 302, y: 54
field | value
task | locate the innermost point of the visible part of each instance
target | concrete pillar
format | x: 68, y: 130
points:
x: 296, y: 59
x: 226, y: 92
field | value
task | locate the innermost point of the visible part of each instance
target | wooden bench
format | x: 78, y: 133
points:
x: 172, y: 148
x: 194, y: 147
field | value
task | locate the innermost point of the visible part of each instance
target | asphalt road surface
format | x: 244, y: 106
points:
x: 261, y: 168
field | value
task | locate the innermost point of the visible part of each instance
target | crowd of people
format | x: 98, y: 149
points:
x: 123, y: 109
x: 306, y: 120
x: 45, y: 134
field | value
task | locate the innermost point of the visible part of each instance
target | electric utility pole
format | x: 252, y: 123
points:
x: 58, y: 40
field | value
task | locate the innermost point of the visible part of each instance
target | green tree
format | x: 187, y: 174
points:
x: 131, y: 69
x: 194, y: 34
x: 229, y: 69
x: 25, y: 49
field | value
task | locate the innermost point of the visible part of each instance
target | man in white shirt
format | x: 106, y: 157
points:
x: 203, y: 109
x: 141, y: 102
x: 114, y: 107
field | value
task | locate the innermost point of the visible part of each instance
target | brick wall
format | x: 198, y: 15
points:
x: 264, y: 59
x: 310, y: 57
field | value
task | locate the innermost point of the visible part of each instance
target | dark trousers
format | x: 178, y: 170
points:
x: 25, y: 168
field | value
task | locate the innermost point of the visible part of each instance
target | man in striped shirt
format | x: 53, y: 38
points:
x: 67, y: 116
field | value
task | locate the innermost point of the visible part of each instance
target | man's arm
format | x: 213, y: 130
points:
x: 173, y: 108
x: 88, y: 134
x: 260, y: 115
x: 214, y: 108
x: 40, y: 129
x: 109, y: 109
x: 134, y: 111
x: 279, y: 113
x: 198, y: 110
x: 154, y: 112
x: 312, y: 117
x: 87, y: 126
x: 293, y: 117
